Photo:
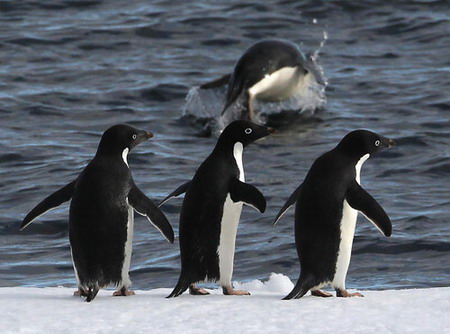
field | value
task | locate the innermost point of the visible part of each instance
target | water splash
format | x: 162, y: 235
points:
x: 315, y: 56
x: 204, y: 106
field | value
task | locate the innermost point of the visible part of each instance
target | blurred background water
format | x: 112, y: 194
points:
x: 70, y: 69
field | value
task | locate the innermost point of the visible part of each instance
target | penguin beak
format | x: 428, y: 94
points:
x: 148, y: 135
x: 391, y: 142
x: 387, y: 143
x: 262, y: 131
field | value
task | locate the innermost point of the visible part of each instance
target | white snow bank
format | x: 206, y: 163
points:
x: 55, y: 310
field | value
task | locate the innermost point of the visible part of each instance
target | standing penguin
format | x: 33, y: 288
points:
x: 211, y: 210
x: 101, y: 214
x: 271, y: 71
x: 328, y: 202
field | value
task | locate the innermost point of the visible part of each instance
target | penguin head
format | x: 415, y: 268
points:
x: 361, y: 142
x: 120, y: 137
x: 244, y: 132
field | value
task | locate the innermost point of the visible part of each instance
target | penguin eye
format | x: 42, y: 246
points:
x: 248, y: 131
x: 134, y: 136
x: 377, y: 143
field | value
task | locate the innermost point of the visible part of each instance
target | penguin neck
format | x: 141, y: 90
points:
x: 233, y: 149
x: 225, y: 145
x: 104, y: 153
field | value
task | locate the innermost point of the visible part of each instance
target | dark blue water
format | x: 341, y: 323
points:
x: 70, y: 69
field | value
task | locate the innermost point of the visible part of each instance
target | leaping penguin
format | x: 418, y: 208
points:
x: 271, y: 71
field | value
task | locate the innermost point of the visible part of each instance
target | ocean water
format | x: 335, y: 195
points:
x: 72, y: 68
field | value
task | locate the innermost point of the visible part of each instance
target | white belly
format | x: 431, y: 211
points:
x: 229, y: 224
x: 75, y: 268
x: 228, y: 231
x: 128, y: 249
x: 278, y: 86
x: 348, y: 224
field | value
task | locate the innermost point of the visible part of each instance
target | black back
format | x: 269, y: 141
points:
x: 202, y: 207
x: 319, y: 205
x: 260, y: 59
x: 99, y: 209
x: 103, y: 196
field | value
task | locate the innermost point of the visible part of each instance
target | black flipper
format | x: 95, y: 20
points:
x: 222, y: 81
x: 360, y: 200
x: 180, y: 190
x: 244, y: 192
x: 54, y: 200
x: 290, y: 202
x: 144, y: 206
x: 182, y: 285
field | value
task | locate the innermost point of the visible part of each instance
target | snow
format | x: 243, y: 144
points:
x: 55, y: 310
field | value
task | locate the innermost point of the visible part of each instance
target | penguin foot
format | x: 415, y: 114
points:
x: 196, y: 291
x: 229, y: 291
x: 345, y: 293
x: 123, y: 292
x: 80, y: 293
x: 321, y: 293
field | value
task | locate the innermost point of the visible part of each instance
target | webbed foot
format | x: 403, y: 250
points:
x: 321, y: 293
x: 229, y: 291
x: 123, y: 292
x: 196, y: 291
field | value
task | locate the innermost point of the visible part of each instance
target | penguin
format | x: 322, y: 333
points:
x: 270, y: 70
x: 327, y: 204
x: 103, y: 198
x: 211, y: 211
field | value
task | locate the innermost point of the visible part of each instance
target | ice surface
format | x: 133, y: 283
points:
x: 55, y: 310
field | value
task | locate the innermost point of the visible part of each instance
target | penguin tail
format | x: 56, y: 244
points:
x: 91, y: 293
x: 296, y: 293
x: 300, y: 289
x: 182, y: 285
